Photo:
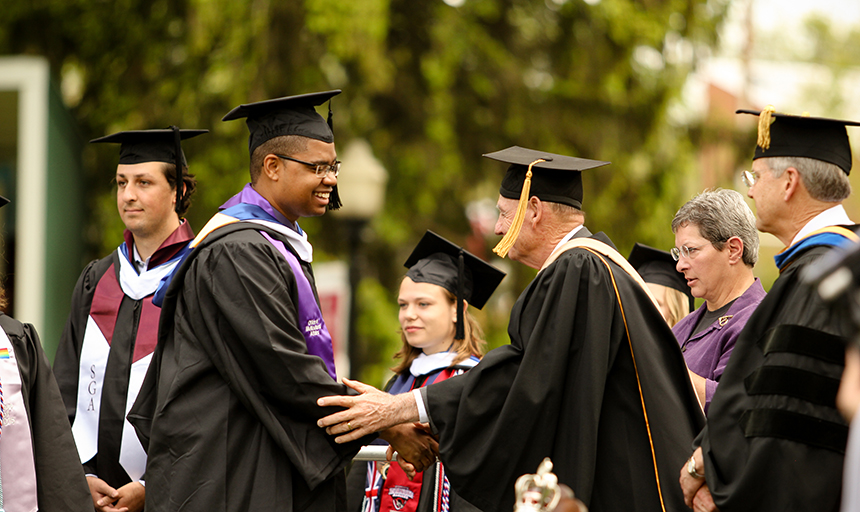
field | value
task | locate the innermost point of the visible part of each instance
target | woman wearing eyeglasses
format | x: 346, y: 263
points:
x: 716, y: 248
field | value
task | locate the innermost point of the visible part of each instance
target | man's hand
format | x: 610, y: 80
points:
x: 104, y: 496
x: 414, y: 444
x: 131, y: 497
x: 690, y: 484
x: 128, y: 498
x: 369, y: 412
x: 704, y: 502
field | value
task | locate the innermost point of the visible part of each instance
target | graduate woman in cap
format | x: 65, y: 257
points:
x: 666, y: 284
x: 592, y: 378
x: 440, y: 340
x: 774, y: 440
x: 112, y: 326
x: 228, y: 408
x: 39, y: 465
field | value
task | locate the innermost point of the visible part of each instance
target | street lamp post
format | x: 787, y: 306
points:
x: 361, y: 186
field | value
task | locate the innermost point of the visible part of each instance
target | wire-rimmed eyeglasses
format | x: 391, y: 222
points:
x: 687, y: 252
x: 749, y: 178
x: 321, y: 170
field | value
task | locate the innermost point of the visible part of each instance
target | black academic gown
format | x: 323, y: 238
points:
x: 566, y: 388
x: 228, y: 407
x: 129, y: 317
x: 105, y: 464
x: 61, y: 485
x: 774, y: 439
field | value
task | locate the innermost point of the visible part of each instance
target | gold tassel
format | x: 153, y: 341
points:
x: 510, y: 237
x: 764, y: 121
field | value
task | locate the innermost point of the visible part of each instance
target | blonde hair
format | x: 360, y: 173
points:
x: 677, y: 304
x: 472, y: 344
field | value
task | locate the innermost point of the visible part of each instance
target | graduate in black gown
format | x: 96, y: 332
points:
x: 441, y: 340
x: 592, y: 378
x: 39, y: 465
x: 774, y: 440
x: 111, y: 330
x: 227, y: 409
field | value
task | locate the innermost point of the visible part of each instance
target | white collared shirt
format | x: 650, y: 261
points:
x: 568, y: 237
x: 140, y: 264
x: 835, y: 216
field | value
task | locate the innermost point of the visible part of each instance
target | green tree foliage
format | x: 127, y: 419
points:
x: 429, y: 85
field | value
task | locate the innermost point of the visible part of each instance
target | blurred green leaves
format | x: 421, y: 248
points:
x: 429, y: 85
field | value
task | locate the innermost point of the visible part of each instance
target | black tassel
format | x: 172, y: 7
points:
x: 177, y: 140
x: 334, y: 202
x: 461, y: 276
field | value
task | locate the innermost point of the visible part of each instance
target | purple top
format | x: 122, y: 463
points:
x: 707, y: 352
x: 250, y: 196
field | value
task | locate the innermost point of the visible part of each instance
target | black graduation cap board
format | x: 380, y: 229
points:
x: 805, y: 136
x: 548, y: 176
x: 437, y: 261
x: 658, y: 267
x: 161, y: 145
x: 290, y: 115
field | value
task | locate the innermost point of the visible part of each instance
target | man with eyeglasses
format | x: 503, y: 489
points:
x: 774, y: 439
x: 228, y: 407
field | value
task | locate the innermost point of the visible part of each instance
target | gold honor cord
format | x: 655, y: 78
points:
x: 636, y: 371
x: 510, y: 237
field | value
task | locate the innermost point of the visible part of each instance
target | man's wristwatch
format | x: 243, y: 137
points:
x: 691, y: 469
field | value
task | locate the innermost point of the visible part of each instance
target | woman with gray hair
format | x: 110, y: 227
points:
x: 716, y: 248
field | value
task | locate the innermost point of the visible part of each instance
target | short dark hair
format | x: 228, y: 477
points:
x: 188, y: 180
x: 283, y: 145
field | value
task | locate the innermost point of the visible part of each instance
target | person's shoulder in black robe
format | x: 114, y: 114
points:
x: 228, y: 407
x: 566, y: 388
x: 774, y: 439
x: 68, y: 353
x: 60, y: 481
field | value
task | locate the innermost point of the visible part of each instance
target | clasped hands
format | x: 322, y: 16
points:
x: 393, y: 416
x: 696, y: 493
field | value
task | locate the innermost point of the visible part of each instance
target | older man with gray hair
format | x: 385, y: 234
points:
x: 774, y: 440
x: 716, y: 247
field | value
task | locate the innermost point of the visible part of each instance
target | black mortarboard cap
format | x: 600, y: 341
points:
x: 804, y: 136
x: 557, y: 179
x: 658, y: 267
x: 437, y: 261
x: 3, y: 201
x: 547, y: 176
x: 291, y: 115
x: 139, y: 146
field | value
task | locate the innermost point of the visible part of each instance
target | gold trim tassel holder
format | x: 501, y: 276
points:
x: 510, y: 237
